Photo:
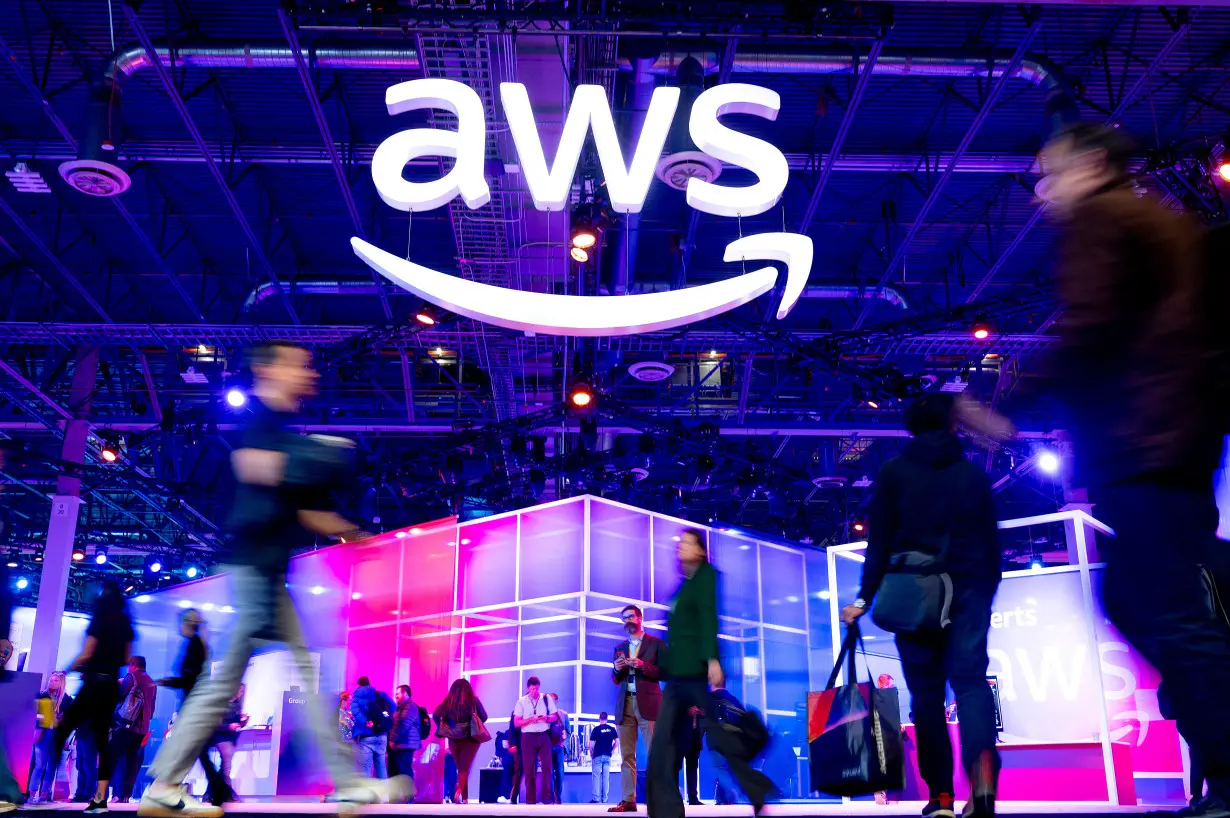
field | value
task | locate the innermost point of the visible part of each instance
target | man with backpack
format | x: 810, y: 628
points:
x: 411, y: 725
x: 1141, y: 370
x: 132, y: 718
x: 373, y: 720
x: 933, y: 515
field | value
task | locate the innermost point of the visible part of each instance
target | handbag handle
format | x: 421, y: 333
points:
x: 853, y: 637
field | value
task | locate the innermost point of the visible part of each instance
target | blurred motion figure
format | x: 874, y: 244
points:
x: 1139, y: 372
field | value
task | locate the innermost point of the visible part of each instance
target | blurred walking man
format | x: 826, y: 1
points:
x: 1135, y: 371
x: 283, y: 498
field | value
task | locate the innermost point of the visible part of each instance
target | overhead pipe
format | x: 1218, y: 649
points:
x: 267, y: 290
x: 640, y: 93
x: 1036, y: 70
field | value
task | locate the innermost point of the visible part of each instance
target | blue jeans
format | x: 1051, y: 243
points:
x: 403, y: 761
x: 956, y: 657
x: 602, y: 778
x: 557, y: 770
x: 373, y: 751
x: 43, y: 779
x: 87, y: 765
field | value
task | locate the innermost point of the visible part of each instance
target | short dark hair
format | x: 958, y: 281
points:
x: 364, y: 681
x: 933, y: 412
x: 602, y: 716
x: 533, y: 680
x: 137, y: 661
x: 267, y: 354
x: 1092, y: 136
x: 627, y: 608
x: 405, y: 689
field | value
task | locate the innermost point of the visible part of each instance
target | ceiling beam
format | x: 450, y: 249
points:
x: 339, y: 170
x: 1126, y: 101
x: 8, y: 56
x: 181, y: 107
x: 920, y: 221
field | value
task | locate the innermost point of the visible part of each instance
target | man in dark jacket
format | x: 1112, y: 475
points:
x: 373, y: 716
x: 1139, y: 340
x: 127, y: 739
x: 691, y: 665
x: 192, y: 663
x: 404, y: 738
x: 931, y: 499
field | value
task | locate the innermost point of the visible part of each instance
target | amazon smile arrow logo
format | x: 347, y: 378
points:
x: 549, y: 187
x: 552, y: 314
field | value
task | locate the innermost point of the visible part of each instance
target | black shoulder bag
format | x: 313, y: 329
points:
x: 915, y: 596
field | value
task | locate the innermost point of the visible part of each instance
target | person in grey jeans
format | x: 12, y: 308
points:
x: 283, y: 500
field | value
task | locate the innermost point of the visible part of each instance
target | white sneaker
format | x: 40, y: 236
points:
x: 7, y: 806
x: 174, y: 803
x: 501, y: 800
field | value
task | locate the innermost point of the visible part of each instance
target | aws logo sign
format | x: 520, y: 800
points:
x: 627, y: 184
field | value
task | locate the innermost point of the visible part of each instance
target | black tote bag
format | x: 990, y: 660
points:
x: 854, y: 733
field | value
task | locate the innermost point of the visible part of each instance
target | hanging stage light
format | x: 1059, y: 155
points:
x: 579, y: 255
x: 110, y: 453
x: 580, y: 396
x: 426, y: 316
x: 981, y: 329
x: 100, y: 555
x: 78, y: 553
x: 235, y: 398
x: 153, y: 564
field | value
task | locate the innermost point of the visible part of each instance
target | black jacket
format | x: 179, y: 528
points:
x: 931, y: 491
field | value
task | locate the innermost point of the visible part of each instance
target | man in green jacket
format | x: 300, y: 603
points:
x: 691, y: 665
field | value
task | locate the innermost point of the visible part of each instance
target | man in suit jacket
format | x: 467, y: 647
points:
x: 638, y: 660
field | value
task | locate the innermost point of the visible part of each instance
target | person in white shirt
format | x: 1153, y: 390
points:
x: 533, y: 716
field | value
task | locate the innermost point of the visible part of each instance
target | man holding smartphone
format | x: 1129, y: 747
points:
x: 637, y: 662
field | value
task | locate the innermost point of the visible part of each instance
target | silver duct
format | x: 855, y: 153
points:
x: 367, y: 287
x: 128, y: 61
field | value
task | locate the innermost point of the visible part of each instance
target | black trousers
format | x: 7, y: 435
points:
x: 92, y: 711
x: 1154, y: 593
x: 126, y: 753
x: 671, y: 742
x: 957, y: 656
x: 518, y: 773
x: 691, y: 759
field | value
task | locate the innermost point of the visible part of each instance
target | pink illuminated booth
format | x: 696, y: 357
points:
x: 1078, y: 707
x: 532, y: 592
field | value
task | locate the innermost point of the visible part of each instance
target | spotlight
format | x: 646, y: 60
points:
x: 22, y: 583
x: 100, y: 555
x: 1048, y: 462
x: 873, y: 404
x: 78, y: 553
x: 38, y: 556
x: 1036, y: 565
x: 579, y: 254
x: 581, y: 396
x: 110, y: 453
x: 191, y: 572
x: 153, y: 564
x: 1223, y: 170
x: 859, y: 527
x: 427, y: 317
x: 317, y: 590
x: 235, y: 398
x: 981, y: 329
x: 584, y: 234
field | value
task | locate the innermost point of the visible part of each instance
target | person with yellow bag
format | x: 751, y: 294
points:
x: 53, y: 703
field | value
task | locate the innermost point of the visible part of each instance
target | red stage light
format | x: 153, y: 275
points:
x: 982, y: 331
x: 859, y: 527
x: 581, y: 397
x: 425, y: 318
x: 1223, y: 170
x: 109, y: 454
